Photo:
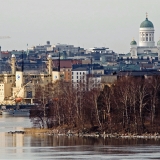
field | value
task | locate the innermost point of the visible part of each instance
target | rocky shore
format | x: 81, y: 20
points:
x: 104, y: 135
x: 57, y: 132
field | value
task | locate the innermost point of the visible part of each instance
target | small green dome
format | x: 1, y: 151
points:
x: 133, y: 42
x: 146, y: 24
x: 158, y: 43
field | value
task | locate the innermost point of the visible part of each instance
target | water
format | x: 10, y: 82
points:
x: 42, y: 146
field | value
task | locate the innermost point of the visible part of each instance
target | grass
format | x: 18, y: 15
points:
x: 35, y: 130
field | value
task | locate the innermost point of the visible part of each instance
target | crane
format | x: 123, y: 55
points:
x: 17, y: 98
x: 4, y: 37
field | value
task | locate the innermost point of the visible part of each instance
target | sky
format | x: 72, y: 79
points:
x: 84, y: 23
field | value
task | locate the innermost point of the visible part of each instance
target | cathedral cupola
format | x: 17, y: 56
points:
x: 146, y: 24
x: 146, y: 33
x: 133, y: 42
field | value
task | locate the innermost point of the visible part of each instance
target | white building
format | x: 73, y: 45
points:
x: 79, y: 75
x: 85, y: 76
x: 146, y: 48
x: 41, y: 48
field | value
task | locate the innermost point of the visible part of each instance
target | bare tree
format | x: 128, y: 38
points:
x: 107, y: 101
x: 154, y: 84
x: 143, y: 98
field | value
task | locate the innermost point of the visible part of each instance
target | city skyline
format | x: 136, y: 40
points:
x: 83, y: 23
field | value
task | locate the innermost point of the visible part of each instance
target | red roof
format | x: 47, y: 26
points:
x: 4, y: 52
x: 66, y: 63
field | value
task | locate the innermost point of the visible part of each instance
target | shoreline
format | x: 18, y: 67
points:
x: 55, y: 132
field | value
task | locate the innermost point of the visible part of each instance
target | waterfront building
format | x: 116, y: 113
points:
x: 21, y: 85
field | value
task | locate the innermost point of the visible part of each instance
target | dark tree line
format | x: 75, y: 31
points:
x: 130, y: 105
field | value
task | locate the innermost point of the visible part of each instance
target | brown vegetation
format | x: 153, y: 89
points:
x: 131, y: 105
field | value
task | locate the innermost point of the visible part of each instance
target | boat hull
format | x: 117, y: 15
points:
x: 7, y: 112
x: 20, y: 112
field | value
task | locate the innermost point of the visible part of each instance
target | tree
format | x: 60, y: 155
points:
x: 154, y: 84
x: 107, y: 102
x: 143, y: 99
x: 43, y: 94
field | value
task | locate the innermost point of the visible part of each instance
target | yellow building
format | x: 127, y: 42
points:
x: 19, y: 84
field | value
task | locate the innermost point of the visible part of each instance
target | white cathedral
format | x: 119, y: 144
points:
x: 146, y: 48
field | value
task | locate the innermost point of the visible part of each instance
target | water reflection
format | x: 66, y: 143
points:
x: 45, y: 140
x: 43, y: 146
x: 11, y: 123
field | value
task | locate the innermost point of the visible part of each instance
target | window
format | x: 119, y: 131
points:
x: 72, y: 73
x: 149, y: 38
x: 77, y: 73
x: 146, y: 38
x: 77, y: 77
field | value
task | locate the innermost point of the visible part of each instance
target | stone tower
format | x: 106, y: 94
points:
x: 49, y: 64
x: 13, y: 64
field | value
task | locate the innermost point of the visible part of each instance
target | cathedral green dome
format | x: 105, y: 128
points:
x: 133, y: 42
x: 146, y: 24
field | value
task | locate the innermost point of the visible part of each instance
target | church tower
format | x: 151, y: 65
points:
x: 13, y: 64
x: 49, y: 64
x: 146, y: 33
x: 133, y: 49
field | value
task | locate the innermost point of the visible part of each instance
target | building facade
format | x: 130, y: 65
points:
x: 146, y: 49
x: 22, y: 85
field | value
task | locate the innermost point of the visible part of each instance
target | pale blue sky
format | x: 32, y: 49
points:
x: 85, y: 23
